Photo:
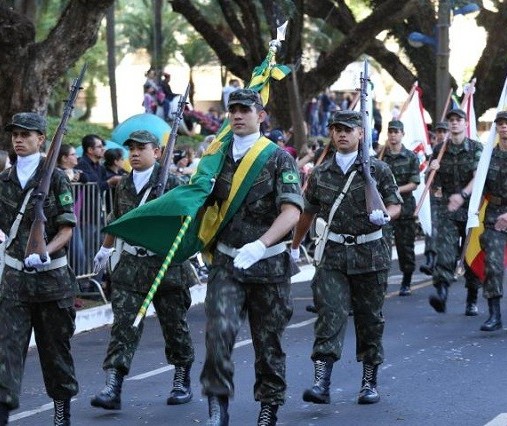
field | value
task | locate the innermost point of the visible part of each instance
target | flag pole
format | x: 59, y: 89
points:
x: 163, y: 269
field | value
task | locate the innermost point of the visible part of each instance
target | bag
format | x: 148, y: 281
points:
x: 322, y: 231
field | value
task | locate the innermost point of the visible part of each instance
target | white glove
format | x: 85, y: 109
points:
x: 295, y: 254
x: 101, y: 258
x: 34, y: 261
x: 378, y: 217
x: 249, y: 254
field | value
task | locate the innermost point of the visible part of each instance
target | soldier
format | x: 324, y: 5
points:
x: 354, y: 266
x: 131, y: 280
x: 494, y: 238
x: 35, y: 294
x: 251, y: 266
x: 455, y: 175
x: 405, y: 167
x: 430, y: 249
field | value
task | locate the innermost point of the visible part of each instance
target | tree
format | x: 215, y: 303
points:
x: 344, y: 34
x: 30, y: 68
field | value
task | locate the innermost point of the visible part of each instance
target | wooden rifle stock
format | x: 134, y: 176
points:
x: 167, y: 158
x: 37, y: 238
x: 373, y: 198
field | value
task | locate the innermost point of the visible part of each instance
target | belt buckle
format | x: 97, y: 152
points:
x: 141, y: 252
x: 349, y: 240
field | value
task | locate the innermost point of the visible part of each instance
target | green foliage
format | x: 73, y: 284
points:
x: 76, y: 130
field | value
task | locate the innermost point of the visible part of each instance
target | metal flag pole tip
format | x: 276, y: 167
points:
x: 161, y: 273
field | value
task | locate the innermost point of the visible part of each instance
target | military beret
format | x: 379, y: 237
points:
x: 395, y: 124
x: 28, y: 121
x: 346, y: 118
x: 501, y: 115
x: 247, y: 97
x: 456, y: 111
x: 142, y: 136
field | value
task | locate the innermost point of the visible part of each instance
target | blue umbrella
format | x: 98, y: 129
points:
x: 150, y: 122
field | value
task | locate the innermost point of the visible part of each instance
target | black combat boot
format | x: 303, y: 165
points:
x: 181, y: 392
x: 438, y: 301
x: 110, y: 396
x: 494, y: 322
x: 319, y: 393
x: 311, y: 308
x: 405, y: 284
x: 4, y: 414
x: 62, y: 412
x: 217, y: 409
x: 471, y: 306
x: 267, y: 415
x: 430, y: 263
x: 368, y: 393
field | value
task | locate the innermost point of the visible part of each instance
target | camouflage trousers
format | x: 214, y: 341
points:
x: 450, y: 239
x: 430, y: 241
x: 53, y: 326
x: 334, y: 293
x: 171, y: 308
x: 269, y: 308
x: 403, y: 232
x: 494, y: 244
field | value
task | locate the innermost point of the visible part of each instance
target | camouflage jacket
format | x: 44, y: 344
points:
x: 405, y: 168
x: 325, y: 184
x: 138, y: 273
x: 495, y: 187
x: 59, y: 211
x: 275, y: 185
x: 457, y: 168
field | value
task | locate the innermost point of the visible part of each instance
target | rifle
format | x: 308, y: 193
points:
x: 373, y: 198
x: 167, y: 157
x: 37, y: 241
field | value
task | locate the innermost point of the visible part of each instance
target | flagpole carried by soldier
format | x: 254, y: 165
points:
x: 132, y: 275
x: 353, y: 197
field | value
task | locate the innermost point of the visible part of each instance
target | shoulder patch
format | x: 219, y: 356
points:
x: 66, y: 198
x: 290, y: 177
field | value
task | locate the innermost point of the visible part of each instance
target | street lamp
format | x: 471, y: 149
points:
x: 441, y: 42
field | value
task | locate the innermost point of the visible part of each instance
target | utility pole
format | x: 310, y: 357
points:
x: 443, y: 80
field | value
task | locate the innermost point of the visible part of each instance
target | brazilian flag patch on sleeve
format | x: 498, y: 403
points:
x: 66, y: 198
x: 290, y: 177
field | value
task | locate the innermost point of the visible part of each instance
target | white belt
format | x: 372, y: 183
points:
x: 270, y: 251
x: 137, y: 250
x: 20, y: 266
x: 350, y: 240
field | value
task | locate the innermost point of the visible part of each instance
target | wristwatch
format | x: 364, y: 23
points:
x: 464, y: 194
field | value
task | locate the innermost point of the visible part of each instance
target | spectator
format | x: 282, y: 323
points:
x: 164, y: 85
x: 67, y: 161
x: 5, y: 162
x: 113, y: 162
x: 227, y: 90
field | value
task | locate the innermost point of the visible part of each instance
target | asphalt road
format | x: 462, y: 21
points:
x: 439, y: 370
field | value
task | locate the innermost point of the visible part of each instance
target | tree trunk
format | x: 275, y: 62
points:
x: 111, y: 62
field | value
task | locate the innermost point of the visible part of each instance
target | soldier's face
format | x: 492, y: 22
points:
x: 142, y: 155
x: 245, y: 120
x: 501, y: 128
x: 394, y: 136
x: 345, y: 139
x: 457, y: 125
x: 26, y: 142
x: 441, y: 135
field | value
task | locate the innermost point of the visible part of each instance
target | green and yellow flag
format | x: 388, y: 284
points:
x: 156, y: 224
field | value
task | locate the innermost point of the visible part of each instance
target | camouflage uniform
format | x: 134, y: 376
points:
x: 350, y: 275
x: 457, y: 168
x: 131, y: 280
x: 494, y: 242
x: 262, y: 291
x: 405, y: 168
x: 42, y: 301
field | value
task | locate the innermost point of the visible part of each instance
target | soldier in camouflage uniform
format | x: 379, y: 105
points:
x: 455, y: 175
x: 405, y: 167
x: 494, y: 238
x: 430, y: 241
x: 131, y: 280
x: 251, y: 268
x: 354, y: 267
x: 35, y: 294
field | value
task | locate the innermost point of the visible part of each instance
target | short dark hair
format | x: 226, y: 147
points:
x: 88, y: 141
x: 64, y: 151
x: 111, y: 155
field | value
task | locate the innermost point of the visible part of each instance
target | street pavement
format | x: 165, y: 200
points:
x: 439, y: 369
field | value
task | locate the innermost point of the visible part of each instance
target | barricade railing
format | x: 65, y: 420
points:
x: 90, y: 210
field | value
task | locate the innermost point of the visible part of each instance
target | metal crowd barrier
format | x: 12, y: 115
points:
x: 90, y: 210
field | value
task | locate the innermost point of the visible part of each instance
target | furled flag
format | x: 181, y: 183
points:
x: 474, y: 255
x: 468, y: 107
x: 417, y: 140
x: 156, y: 224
